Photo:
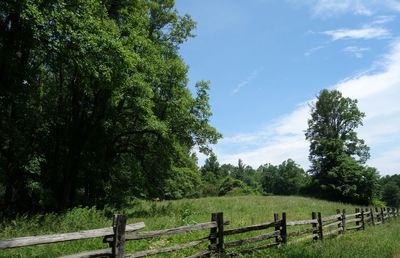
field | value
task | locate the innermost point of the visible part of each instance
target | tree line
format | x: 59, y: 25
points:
x: 95, y: 109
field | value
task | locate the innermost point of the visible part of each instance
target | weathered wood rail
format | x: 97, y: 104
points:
x: 116, y: 233
x: 273, y: 233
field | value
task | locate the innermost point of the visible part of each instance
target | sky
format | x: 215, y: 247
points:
x: 267, y: 60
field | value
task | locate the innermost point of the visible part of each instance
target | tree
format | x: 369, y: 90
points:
x: 391, y: 194
x: 337, y: 155
x: 210, y: 173
x: 269, y: 178
x: 94, y: 103
x: 211, y: 165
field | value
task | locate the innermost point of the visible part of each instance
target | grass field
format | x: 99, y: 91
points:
x: 381, y: 241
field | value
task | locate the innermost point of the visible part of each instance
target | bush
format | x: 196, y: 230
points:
x: 183, y: 183
x: 232, y: 186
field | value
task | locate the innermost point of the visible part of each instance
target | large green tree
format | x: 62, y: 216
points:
x: 94, y: 104
x: 337, y: 155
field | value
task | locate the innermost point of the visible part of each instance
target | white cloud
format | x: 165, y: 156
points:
x: 324, y: 8
x: 378, y: 93
x: 387, y: 161
x: 314, y: 49
x: 382, y: 20
x: 277, y: 142
x: 251, y: 77
x: 355, y: 51
x: 363, y: 33
x: 333, y: 6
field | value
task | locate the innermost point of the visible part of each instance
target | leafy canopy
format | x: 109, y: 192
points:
x: 337, y: 155
x: 94, y: 104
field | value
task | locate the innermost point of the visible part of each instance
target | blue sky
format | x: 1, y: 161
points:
x: 268, y: 59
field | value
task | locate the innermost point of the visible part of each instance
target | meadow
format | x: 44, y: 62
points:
x: 379, y: 241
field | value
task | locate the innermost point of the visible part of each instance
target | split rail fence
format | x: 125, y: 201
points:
x: 274, y: 233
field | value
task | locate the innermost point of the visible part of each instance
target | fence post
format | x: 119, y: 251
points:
x: 314, y: 225
x: 382, y: 216
x: 362, y: 219
x: 119, y: 224
x: 339, y: 219
x: 357, y: 217
x: 277, y: 227
x: 220, y: 227
x: 213, y: 233
x: 372, y: 216
x: 344, y: 220
x: 377, y: 215
x: 284, y: 228
x: 320, y: 232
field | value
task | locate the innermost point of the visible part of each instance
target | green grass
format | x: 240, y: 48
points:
x: 379, y: 241
x: 240, y: 211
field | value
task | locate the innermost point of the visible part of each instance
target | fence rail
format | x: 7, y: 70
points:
x: 275, y: 233
x: 55, y: 238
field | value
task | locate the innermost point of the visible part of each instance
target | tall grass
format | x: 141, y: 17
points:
x: 239, y: 210
x: 376, y: 242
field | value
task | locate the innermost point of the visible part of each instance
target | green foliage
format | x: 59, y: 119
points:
x: 228, y: 179
x: 94, y: 104
x: 232, y: 186
x: 378, y: 203
x: 391, y: 194
x: 337, y: 155
x: 392, y: 178
x: 286, y: 179
x: 246, y: 174
x: 183, y: 183
x: 390, y: 190
x: 211, y: 165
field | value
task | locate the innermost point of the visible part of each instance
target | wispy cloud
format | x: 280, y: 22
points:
x: 355, y: 51
x: 324, y: 8
x: 383, y: 19
x: 333, y: 6
x: 362, y: 33
x: 314, y: 50
x: 251, y: 77
x: 378, y: 93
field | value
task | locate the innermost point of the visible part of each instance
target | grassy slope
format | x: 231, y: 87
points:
x: 243, y: 210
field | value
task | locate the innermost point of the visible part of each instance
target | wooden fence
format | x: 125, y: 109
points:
x: 277, y: 232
